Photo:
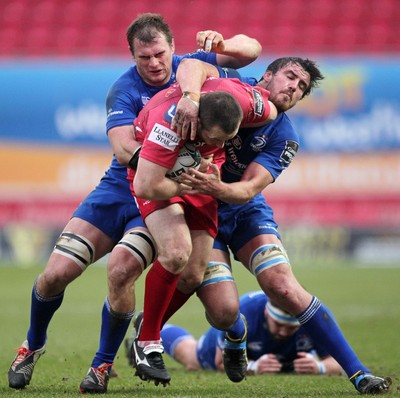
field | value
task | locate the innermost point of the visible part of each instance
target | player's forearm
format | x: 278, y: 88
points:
x: 123, y: 143
x: 239, y: 51
x: 330, y: 367
x: 192, y: 73
x: 147, y: 189
x: 234, y: 193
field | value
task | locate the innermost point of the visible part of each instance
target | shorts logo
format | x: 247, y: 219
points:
x: 258, y: 103
x: 164, y: 137
x: 289, y: 152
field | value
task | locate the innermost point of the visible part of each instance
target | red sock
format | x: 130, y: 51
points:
x: 159, y: 288
x: 177, y: 301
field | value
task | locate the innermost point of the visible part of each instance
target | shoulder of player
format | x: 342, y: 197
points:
x: 284, y: 126
x: 129, y: 84
x: 198, y: 54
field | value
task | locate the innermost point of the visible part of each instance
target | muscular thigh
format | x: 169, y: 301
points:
x: 169, y: 228
x: 65, y: 256
x: 79, y: 245
x: 266, y: 258
x: 110, y: 206
x: 102, y: 243
x: 193, y: 274
x: 218, y: 292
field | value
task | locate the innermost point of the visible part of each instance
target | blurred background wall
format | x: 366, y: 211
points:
x: 339, y: 199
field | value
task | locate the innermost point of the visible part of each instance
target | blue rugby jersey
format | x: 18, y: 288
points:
x: 130, y: 93
x: 273, y: 146
x: 110, y: 206
x: 259, y: 340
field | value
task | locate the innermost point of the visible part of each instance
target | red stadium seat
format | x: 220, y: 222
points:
x: 290, y: 26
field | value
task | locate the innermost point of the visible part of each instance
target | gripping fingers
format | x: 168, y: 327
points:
x: 209, y: 40
x: 208, y: 46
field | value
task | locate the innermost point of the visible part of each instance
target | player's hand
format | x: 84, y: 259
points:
x: 186, y: 118
x: 201, y: 183
x: 306, y: 363
x: 211, y: 41
x: 268, y: 363
x: 205, y: 163
x: 183, y: 189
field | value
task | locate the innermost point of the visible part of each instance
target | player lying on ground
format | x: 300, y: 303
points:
x: 276, y: 343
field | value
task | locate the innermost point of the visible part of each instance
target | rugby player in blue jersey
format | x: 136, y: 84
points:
x: 276, y: 343
x: 254, y: 159
x: 107, y: 220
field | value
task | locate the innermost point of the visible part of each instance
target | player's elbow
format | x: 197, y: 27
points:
x: 143, y: 189
x: 257, y: 48
x: 253, y: 49
x: 122, y: 158
x: 244, y: 195
x: 241, y: 200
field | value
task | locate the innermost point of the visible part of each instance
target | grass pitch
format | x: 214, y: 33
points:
x: 364, y: 301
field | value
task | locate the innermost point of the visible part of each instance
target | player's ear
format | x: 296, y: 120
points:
x: 173, y: 46
x: 267, y: 76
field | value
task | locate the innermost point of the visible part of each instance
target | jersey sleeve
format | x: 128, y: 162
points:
x: 211, y: 58
x: 251, y: 81
x: 228, y: 73
x: 122, y: 106
x: 280, y: 151
x: 252, y: 100
x: 258, y: 108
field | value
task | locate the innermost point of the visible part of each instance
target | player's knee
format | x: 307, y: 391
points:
x: 53, y: 280
x: 224, y: 312
x: 175, y: 258
x: 218, y: 282
x: 278, y: 282
x: 189, y: 282
x: 226, y: 318
x: 222, y: 317
x: 123, y: 268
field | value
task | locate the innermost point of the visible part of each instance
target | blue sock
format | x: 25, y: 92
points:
x: 113, y: 329
x: 171, y: 335
x: 42, y: 310
x: 319, y: 322
x: 237, y: 333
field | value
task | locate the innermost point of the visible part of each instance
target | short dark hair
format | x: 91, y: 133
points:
x: 146, y: 27
x: 222, y: 109
x: 309, y: 66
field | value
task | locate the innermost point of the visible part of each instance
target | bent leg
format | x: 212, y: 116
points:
x: 279, y: 283
x: 62, y: 269
x: 193, y: 274
x: 180, y: 345
x: 172, y: 236
x: 218, y: 292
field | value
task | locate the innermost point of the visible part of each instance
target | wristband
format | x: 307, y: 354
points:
x: 133, y: 162
x: 194, y: 97
x: 252, y: 367
x: 322, y: 367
